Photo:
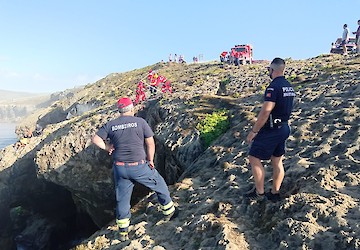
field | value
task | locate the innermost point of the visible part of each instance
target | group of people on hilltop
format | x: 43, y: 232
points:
x: 346, y: 35
x: 154, y: 80
x: 125, y: 138
x: 177, y: 59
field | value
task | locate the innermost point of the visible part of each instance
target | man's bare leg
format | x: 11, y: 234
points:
x: 258, y: 172
x: 278, y: 173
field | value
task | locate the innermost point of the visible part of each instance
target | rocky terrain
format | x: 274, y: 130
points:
x: 60, y: 178
x: 15, y: 106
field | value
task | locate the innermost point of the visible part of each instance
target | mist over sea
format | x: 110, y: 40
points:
x: 7, y: 134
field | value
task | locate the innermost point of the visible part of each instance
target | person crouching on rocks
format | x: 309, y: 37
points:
x: 131, y: 163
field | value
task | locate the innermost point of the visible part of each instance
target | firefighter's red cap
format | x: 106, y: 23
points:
x: 125, y: 104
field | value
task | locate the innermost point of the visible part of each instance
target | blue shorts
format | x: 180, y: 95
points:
x: 270, y: 142
x: 343, y: 42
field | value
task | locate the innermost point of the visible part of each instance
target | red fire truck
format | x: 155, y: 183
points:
x: 241, y: 54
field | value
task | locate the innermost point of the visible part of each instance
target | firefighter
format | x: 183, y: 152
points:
x: 223, y: 56
x: 131, y: 163
x: 140, y: 93
x: 166, y: 87
x: 160, y: 79
x: 150, y: 75
x: 236, y: 60
x: 153, y: 83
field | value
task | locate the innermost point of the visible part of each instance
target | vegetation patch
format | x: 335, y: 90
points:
x: 292, y: 77
x: 225, y: 81
x: 213, y: 126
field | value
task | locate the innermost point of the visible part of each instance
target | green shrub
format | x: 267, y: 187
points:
x: 213, y: 126
x: 291, y: 77
x: 298, y: 87
x: 225, y: 81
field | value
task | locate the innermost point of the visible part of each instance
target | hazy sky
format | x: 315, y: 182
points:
x: 48, y: 46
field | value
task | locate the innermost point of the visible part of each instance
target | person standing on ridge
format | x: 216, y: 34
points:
x: 357, y: 37
x: 345, y: 39
x: 269, y: 133
x: 140, y: 93
x: 131, y: 163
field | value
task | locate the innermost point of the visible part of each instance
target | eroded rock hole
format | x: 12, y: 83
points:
x: 49, y: 220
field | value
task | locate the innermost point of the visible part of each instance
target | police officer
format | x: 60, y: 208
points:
x: 131, y: 163
x: 270, y: 131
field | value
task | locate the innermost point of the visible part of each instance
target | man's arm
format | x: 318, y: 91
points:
x: 261, y: 119
x: 263, y: 115
x: 150, y: 150
x: 98, y: 141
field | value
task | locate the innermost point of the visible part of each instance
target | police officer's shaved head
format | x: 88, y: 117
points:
x: 278, y: 64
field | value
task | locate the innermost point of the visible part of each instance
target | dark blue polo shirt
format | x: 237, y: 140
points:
x: 127, y: 134
x: 282, y: 93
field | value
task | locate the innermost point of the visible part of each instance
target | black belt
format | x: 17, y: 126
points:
x: 136, y: 163
x: 275, y: 124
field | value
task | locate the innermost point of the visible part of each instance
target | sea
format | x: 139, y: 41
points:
x: 7, y: 134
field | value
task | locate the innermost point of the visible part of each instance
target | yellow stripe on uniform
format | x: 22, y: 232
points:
x: 167, y: 206
x: 169, y: 211
x: 123, y: 223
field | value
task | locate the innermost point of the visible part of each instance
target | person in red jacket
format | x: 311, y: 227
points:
x: 150, y: 75
x: 223, y: 56
x: 160, y: 79
x: 166, y: 87
x: 140, y: 93
x: 153, y: 84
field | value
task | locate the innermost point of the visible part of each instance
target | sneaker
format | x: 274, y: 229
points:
x: 273, y: 197
x: 172, y: 216
x: 254, y: 196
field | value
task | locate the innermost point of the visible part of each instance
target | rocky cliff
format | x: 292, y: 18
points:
x: 320, y: 206
x: 17, y: 106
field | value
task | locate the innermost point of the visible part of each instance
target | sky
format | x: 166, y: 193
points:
x: 50, y: 46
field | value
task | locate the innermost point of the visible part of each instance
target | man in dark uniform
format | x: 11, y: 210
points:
x: 270, y: 131
x: 131, y: 164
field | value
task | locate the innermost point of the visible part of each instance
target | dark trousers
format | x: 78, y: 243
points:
x: 125, y: 177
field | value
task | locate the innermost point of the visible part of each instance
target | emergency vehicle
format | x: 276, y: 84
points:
x: 241, y: 54
x: 337, y: 48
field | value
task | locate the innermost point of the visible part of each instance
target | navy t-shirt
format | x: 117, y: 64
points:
x: 282, y: 93
x: 127, y: 134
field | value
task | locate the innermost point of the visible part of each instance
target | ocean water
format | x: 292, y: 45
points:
x: 7, y: 134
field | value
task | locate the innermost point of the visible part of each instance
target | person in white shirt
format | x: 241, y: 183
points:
x: 345, y: 39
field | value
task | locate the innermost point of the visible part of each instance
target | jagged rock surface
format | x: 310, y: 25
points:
x: 320, y: 190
